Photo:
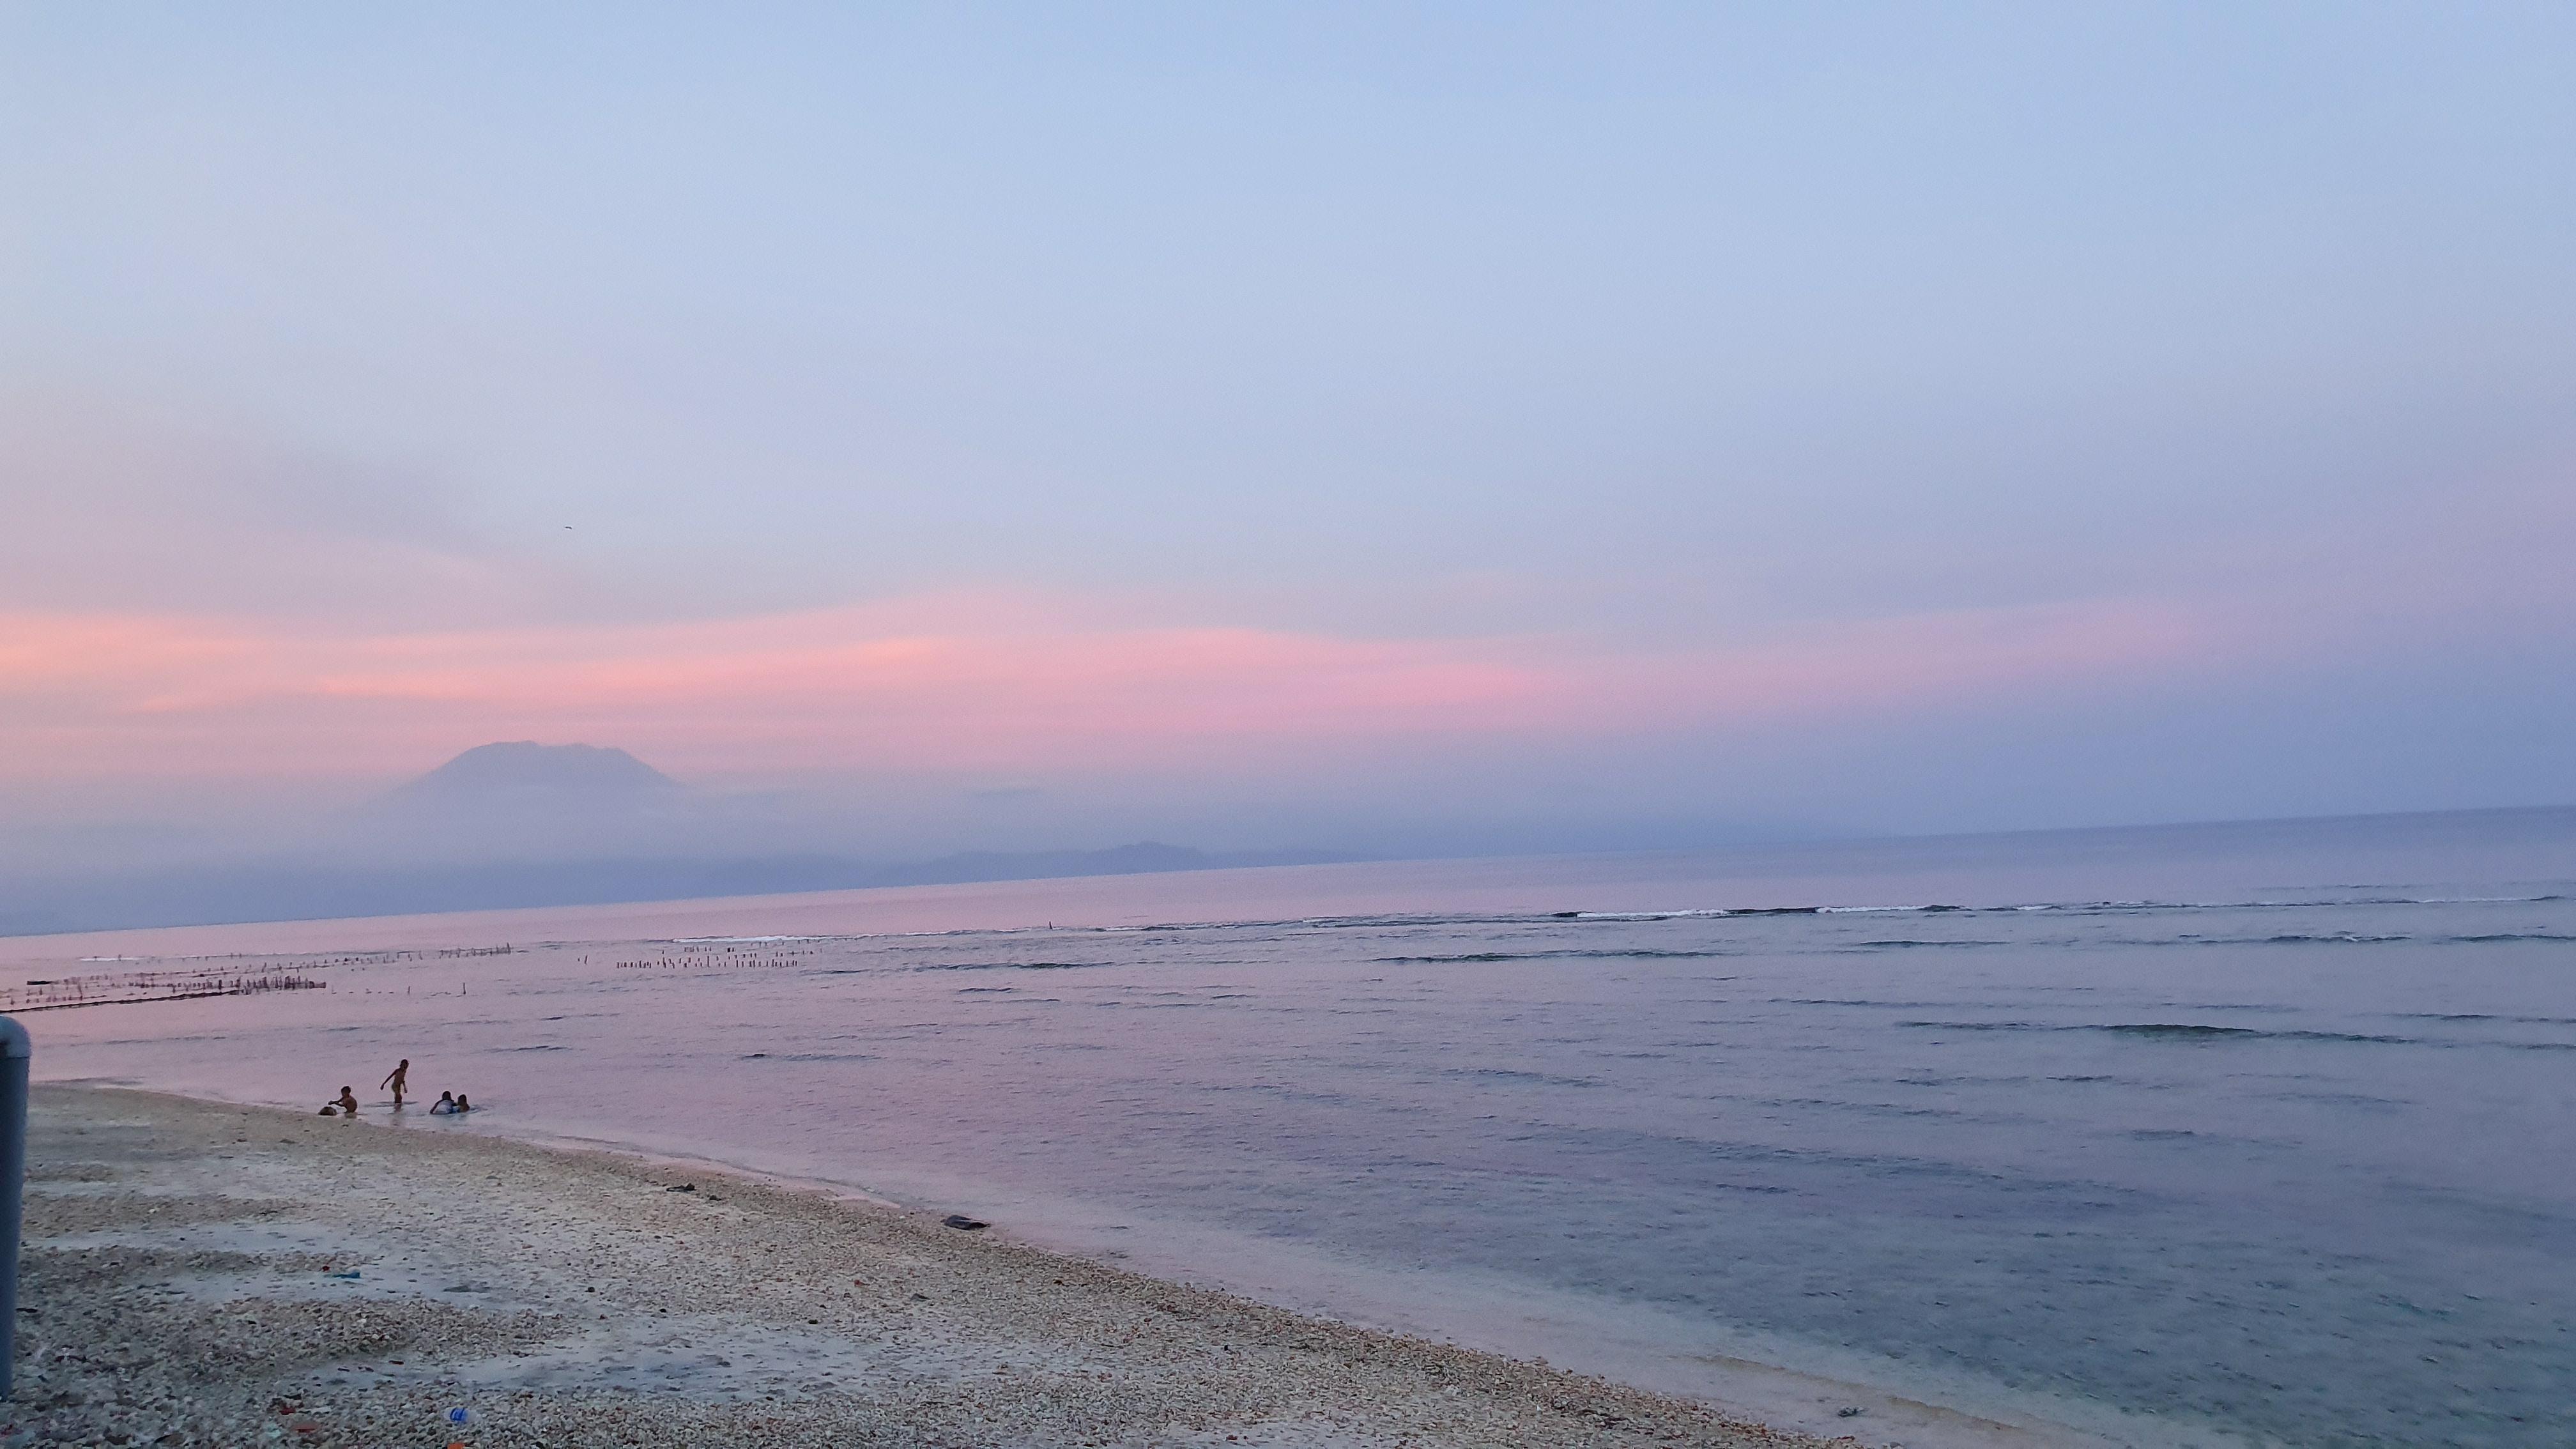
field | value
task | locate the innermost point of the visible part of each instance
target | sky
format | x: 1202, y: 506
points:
x: 1382, y: 427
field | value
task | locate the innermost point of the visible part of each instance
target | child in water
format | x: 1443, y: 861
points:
x: 445, y: 1106
x: 346, y: 1106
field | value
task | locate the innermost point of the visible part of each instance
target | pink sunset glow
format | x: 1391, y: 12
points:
x: 1383, y: 456
x: 1007, y: 688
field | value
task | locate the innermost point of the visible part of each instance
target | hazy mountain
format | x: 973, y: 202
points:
x: 520, y: 800
x: 523, y: 770
x: 525, y: 824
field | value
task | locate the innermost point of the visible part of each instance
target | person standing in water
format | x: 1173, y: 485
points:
x: 397, y: 1078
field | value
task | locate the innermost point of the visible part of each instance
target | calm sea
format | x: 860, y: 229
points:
x: 2258, y: 1130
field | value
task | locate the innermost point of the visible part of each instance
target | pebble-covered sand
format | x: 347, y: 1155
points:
x: 197, y: 1274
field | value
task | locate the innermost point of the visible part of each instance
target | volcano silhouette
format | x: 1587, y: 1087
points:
x: 523, y: 771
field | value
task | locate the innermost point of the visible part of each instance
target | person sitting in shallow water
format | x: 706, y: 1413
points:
x: 462, y: 1105
x: 346, y: 1106
x: 445, y: 1106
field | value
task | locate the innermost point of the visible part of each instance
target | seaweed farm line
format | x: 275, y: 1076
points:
x: 345, y: 958
x: 714, y: 963
x: 127, y: 987
x: 713, y: 955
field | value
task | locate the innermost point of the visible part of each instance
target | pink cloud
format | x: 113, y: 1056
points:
x: 962, y: 682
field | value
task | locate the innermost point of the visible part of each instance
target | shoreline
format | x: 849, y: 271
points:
x: 215, y: 1273
x: 1740, y: 1380
x: 1747, y: 1383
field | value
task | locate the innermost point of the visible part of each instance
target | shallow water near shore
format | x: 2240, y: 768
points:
x: 2177, y: 1134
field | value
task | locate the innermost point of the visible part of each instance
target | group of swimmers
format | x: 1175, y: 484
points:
x: 447, y: 1105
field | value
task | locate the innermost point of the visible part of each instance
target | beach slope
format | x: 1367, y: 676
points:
x: 205, y: 1274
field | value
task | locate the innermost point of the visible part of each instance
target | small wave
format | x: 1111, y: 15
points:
x: 815, y: 1056
x: 2355, y: 938
x: 2294, y: 938
x: 2515, y: 936
x: 543, y: 1046
x: 2174, y: 1031
x: 1484, y: 956
x: 1899, y: 944
x: 1509, y: 1074
x: 1849, y: 1001
x: 1014, y: 966
x: 2192, y: 1031
x: 1653, y: 915
x: 2487, y: 1016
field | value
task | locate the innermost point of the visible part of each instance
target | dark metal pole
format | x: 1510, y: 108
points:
x: 15, y: 1053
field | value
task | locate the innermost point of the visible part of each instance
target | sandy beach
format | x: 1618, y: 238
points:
x: 202, y: 1274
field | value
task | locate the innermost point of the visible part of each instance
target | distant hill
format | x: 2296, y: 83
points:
x: 520, y: 769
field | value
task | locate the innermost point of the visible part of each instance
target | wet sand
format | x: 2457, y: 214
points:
x: 202, y: 1274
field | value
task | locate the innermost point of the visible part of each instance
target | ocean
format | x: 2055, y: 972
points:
x: 2200, y: 1134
